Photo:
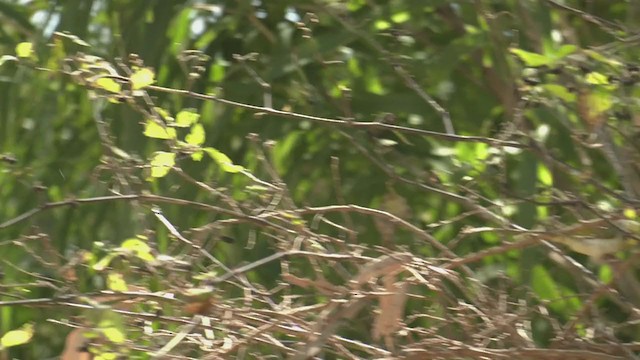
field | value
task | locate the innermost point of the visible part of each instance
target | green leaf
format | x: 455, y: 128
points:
x: 140, y: 248
x: 142, y: 78
x: 108, y: 84
x: 114, y: 334
x: 531, y: 59
x: 196, y: 136
x: 107, y: 356
x: 564, y: 51
x: 597, y: 78
x: 599, y: 101
x: 17, y: 337
x: 605, y: 274
x: 24, y: 50
x: 544, y: 285
x: 197, y: 156
x: 401, y: 17
x: 544, y: 175
x: 186, y: 118
x: 104, y: 262
x: 223, y: 161
x: 164, y: 114
x: 382, y: 25
x: 161, y: 163
x: 560, y: 91
x: 153, y: 130
x: 115, y: 282
x: 630, y: 213
x: 604, y: 59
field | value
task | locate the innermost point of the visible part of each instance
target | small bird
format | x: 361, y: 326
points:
x: 597, y: 238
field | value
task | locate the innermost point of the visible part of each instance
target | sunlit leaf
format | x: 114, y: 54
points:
x: 544, y: 175
x: 186, y: 118
x: 596, y: 78
x: 599, y: 102
x: 531, y: 59
x: 153, y: 130
x: 610, y: 60
x: 103, y: 263
x: 114, y: 334
x: 630, y: 213
x: 142, y: 78
x: 565, y: 50
x: 108, y: 84
x: 382, y: 25
x: 164, y: 114
x: 116, y: 282
x: 560, y: 91
x: 140, y: 248
x: 161, y: 163
x: 107, y: 356
x: 400, y: 17
x: 17, y: 337
x: 223, y: 161
x: 24, y: 50
x: 197, y: 156
x: 196, y: 136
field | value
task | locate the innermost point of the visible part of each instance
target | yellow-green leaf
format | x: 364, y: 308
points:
x: 108, y: 84
x: 565, y: 50
x: 114, y: 334
x: 142, y: 78
x: 103, y: 263
x: 630, y: 213
x: 223, y: 161
x: 140, y: 248
x: 164, y: 114
x: 154, y: 130
x: 381, y: 25
x: 605, y: 274
x: 544, y: 175
x: 24, y: 50
x: 597, y: 78
x: 116, y: 282
x: 186, y: 117
x: 107, y: 356
x: 531, y: 59
x: 599, y: 102
x: 196, y: 136
x: 197, y: 156
x: 400, y: 17
x: 17, y: 337
x: 161, y: 163
x: 561, y: 92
